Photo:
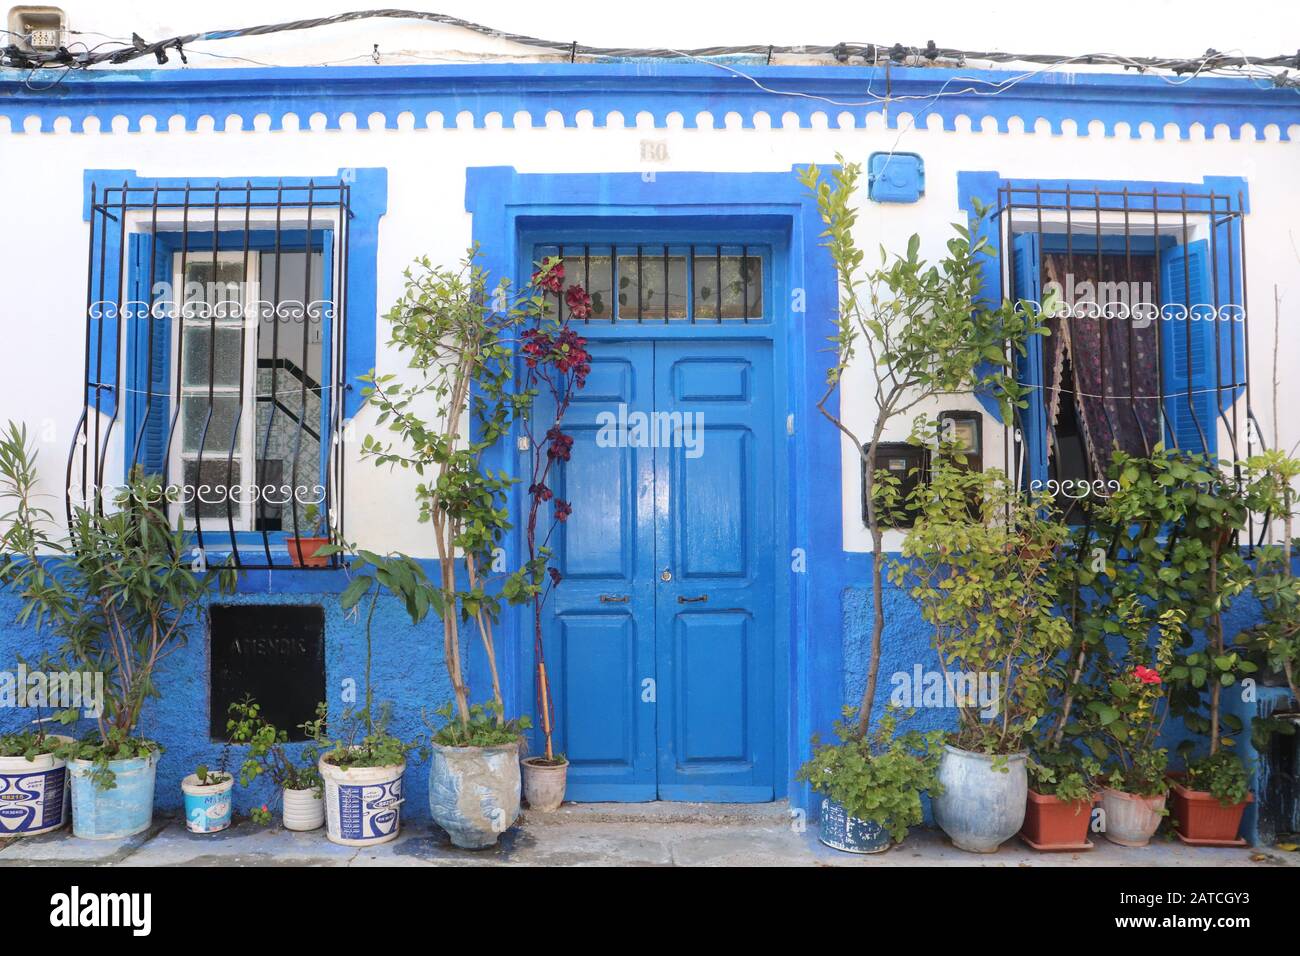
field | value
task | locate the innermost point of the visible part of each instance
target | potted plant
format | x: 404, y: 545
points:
x: 297, y: 777
x: 474, y: 783
x: 33, y: 783
x: 208, y: 799
x: 1129, y: 711
x: 461, y: 339
x: 871, y: 789
x: 979, y: 560
x: 555, y: 360
x: 306, y: 550
x: 121, y: 595
x: 362, y: 768
x: 1062, y: 792
x: 1209, y: 802
x: 893, y: 315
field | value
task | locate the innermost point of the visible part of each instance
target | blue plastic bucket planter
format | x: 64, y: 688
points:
x: 840, y: 831
x: 207, y: 806
x: 33, y: 794
x: 123, y: 811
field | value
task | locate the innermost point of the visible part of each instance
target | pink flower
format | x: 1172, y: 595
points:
x: 1146, y: 675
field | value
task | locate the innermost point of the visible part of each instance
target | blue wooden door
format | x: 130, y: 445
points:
x: 661, y: 639
x: 600, y: 631
x: 714, y: 595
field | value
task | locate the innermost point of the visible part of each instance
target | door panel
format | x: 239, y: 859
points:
x: 713, y: 531
x: 600, y: 623
x: 663, y: 688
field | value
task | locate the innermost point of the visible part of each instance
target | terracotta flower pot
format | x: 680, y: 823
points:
x: 544, y: 783
x: 1131, y: 819
x: 1201, y: 820
x: 1055, y: 824
x: 302, y: 551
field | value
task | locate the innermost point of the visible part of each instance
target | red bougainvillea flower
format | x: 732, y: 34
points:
x: 561, y: 445
x: 556, y: 576
x: 562, y: 509
x: 1146, y: 675
x: 578, y: 301
x: 541, y: 492
x: 550, y: 276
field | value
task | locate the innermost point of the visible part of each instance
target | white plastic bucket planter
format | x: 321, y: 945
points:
x: 123, y: 811
x: 303, y: 809
x: 33, y: 794
x: 474, y: 792
x: 208, y: 806
x: 363, y: 805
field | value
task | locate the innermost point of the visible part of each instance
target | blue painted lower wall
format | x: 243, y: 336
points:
x: 409, y: 671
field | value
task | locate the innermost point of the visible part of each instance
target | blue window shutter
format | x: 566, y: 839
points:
x: 151, y: 374
x: 1187, y: 349
x: 1026, y: 272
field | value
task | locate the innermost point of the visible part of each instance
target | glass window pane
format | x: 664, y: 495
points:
x: 194, y: 414
x: 194, y: 366
x: 282, y: 340
x: 742, y: 287
x: 592, y: 272
x: 208, y: 489
x: 213, y: 288
x: 642, y: 285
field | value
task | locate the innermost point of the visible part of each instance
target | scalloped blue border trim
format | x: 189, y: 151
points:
x: 657, y: 88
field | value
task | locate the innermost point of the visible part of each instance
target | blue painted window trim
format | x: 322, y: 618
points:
x: 368, y: 203
x: 982, y: 188
x: 512, y: 212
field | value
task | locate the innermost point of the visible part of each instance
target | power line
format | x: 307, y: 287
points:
x: 1211, y: 61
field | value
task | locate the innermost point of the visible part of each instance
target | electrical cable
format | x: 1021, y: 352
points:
x: 1210, y: 61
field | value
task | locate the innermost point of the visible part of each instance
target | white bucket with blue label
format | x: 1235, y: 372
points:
x: 208, y: 806
x: 363, y: 805
x: 33, y: 794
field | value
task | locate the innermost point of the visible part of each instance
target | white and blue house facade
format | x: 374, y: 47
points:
x: 715, y: 611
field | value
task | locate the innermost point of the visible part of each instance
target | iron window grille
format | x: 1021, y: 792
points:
x: 1165, y: 336
x: 663, y: 283
x: 214, y: 358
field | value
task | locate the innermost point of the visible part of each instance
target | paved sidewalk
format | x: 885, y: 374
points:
x: 652, y: 834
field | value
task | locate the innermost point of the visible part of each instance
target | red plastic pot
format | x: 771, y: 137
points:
x: 302, y: 551
x: 1054, y: 824
x: 1200, y: 819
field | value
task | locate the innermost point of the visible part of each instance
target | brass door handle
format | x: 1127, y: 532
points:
x: 698, y: 599
x: 614, y: 599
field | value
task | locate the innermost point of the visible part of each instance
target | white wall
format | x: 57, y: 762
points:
x: 42, y: 250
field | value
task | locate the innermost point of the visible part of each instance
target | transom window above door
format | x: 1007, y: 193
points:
x: 666, y: 283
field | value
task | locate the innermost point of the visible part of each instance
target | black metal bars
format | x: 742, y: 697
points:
x: 215, y: 332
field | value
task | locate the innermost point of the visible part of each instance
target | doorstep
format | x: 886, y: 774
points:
x: 645, y: 834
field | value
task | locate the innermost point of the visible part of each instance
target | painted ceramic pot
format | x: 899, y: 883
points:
x: 840, y: 831
x: 474, y: 792
x: 980, y: 807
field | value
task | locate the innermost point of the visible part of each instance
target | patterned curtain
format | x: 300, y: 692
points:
x: 1115, y: 387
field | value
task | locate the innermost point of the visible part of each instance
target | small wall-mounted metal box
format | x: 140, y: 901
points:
x: 910, y: 465
x: 895, y: 177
